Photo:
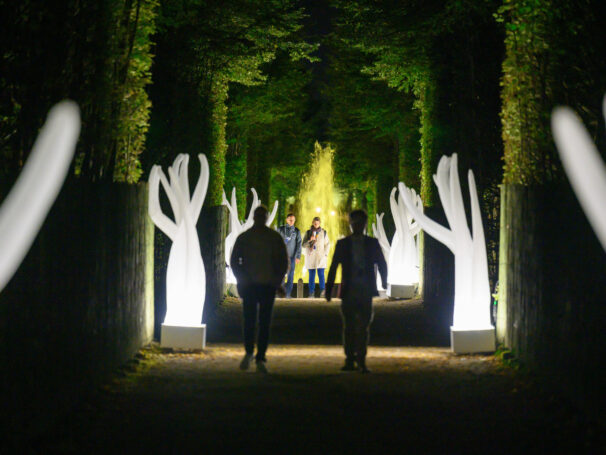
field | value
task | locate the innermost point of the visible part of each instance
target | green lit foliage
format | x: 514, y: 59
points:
x: 374, y: 129
x: 204, y: 46
x: 435, y: 50
x: 267, y: 122
x: 96, y: 53
x: 266, y: 125
x: 554, y: 54
x: 398, y: 40
x: 133, y: 118
x: 446, y: 55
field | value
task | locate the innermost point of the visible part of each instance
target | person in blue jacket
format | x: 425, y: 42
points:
x: 292, y: 239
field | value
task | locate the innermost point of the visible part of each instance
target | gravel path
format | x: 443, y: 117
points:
x: 419, y: 399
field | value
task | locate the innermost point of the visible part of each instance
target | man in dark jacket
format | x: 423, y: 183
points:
x: 358, y: 254
x: 259, y: 262
x: 292, y: 240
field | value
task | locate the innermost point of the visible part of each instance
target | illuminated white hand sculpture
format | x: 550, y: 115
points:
x: 185, y: 277
x: 472, y: 289
x: 379, y: 232
x: 403, y: 256
x: 25, y: 208
x: 415, y: 230
x: 583, y: 165
x: 236, y: 228
x: 256, y: 203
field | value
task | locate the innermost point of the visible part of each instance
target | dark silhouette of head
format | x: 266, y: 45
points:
x: 357, y: 221
x: 260, y: 215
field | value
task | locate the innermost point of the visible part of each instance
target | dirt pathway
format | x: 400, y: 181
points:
x: 419, y: 399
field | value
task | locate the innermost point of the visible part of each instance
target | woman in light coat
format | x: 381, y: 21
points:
x: 316, y: 246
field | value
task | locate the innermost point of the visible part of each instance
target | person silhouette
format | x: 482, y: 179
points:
x: 316, y: 246
x: 259, y: 262
x: 358, y: 254
x: 292, y: 240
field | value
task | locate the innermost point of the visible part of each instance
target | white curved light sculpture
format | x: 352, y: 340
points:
x: 26, y: 206
x: 471, y: 330
x: 379, y: 231
x: 236, y: 228
x: 403, y: 254
x: 583, y: 165
x: 185, y: 276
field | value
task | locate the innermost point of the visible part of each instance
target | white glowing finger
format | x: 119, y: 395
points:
x: 183, y: 176
x: 379, y: 231
x: 170, y: 193
x: 197, y: 200
x: 25, y: 208
x: 164, y: 223
x: 272, y: 215
x: 436, y: 230
x: 185, y: 275
x: 583, y: 165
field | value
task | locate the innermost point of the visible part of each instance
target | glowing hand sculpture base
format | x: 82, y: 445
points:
x: 236, y: 228
x: 185, y: 277
x: 583, y: 165
x: 471, y: 330
x: 25, y: 208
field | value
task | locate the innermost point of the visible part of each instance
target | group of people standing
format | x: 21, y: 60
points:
x: 261, y: 257
x: 315, y: 244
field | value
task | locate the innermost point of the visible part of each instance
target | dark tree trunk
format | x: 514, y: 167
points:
x: 384, y: 187
x: 211, y: 230
x: 438, y: 275
x: 552, y: 303
x: 263, y: 181
x: 162, y: 246
x: 80, y: 304
x: 252, y: 162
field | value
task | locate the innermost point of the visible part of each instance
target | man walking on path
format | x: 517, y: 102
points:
x: 357, y: 254
x: 259, y: 262
x: 292, y: 240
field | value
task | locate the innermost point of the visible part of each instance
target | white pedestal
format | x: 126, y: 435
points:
x: 179, y: 337
x: 470, y: 341
x: 401, y: 291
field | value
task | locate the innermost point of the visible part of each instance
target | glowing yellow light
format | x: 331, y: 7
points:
x: 332, y: 213
x: 317, y: 191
